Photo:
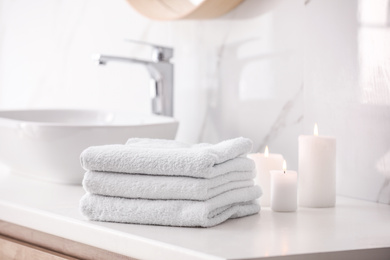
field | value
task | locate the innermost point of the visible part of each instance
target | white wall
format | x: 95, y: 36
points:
x: 238, y: 75
x: 347, y: 90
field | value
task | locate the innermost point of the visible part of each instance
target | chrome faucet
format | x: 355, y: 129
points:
x: 161, y: 73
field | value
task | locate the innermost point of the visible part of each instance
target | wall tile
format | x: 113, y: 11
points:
x: 346, y: 91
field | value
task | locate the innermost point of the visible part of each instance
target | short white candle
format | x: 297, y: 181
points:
x: 317, y: 171
x: 264, y: 163
x: 284, y: 190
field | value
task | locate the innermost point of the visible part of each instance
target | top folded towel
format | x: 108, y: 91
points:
x: 164, y: 157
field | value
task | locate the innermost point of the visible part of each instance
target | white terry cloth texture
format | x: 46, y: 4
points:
x: 232, y: 204
x: 201, y: 161
x: 164, y: 187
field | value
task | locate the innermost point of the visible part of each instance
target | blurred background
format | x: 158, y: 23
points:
x: 268, y: 70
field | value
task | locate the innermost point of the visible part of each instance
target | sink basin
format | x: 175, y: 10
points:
x: 46, y: 144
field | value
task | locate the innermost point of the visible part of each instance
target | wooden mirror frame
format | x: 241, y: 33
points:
x: 180, y: 9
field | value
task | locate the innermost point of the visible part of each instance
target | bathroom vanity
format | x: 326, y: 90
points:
x: 42, y: 219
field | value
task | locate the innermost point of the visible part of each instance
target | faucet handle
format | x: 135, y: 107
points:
x: 160, y: 53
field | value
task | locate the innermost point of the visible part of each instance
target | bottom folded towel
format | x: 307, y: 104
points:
x: 232, y: 204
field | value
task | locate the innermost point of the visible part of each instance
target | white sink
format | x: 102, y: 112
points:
x: 46, y: 144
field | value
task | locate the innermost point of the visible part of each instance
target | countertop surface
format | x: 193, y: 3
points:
x: 53, y: 208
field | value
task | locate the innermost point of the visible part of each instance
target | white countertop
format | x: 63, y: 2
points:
x: 53, y: 208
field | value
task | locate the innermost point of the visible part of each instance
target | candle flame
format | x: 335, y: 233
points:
x: 284, y: 165
x: 266, y: 153
x: 315, y: 129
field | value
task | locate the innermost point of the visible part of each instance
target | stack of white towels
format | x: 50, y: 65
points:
x: 165, y: 182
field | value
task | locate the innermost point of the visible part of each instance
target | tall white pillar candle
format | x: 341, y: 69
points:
x: 284, y: 190
x: 264, y: 163
x: 317, y: 171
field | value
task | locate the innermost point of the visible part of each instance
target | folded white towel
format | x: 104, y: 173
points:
x: 231, y: 204
x: 204, y: 161
x: 164, y: 187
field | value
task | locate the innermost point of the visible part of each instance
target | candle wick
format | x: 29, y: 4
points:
x: 284, y: 171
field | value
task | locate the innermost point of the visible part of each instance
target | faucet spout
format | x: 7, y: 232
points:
x: 104, y: 59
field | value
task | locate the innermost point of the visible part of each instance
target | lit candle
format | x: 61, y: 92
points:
x: 284, y: 190
x: 264, y: 163
x: 317, y: 170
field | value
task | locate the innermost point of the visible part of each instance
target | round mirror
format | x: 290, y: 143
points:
x: 183, y: 9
